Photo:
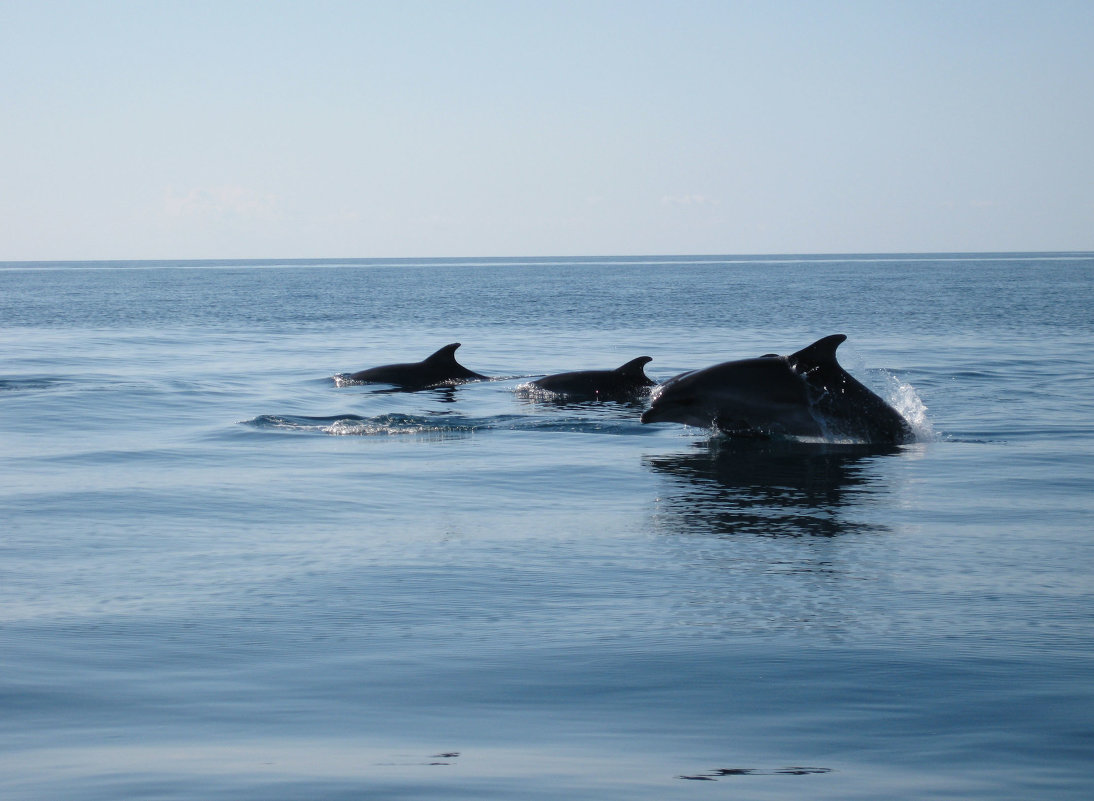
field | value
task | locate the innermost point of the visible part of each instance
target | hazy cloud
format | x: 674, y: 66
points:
x: 688, y: 200
x: 222, y: 201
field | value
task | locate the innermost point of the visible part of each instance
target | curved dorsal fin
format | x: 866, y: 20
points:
x: 444, y: 355
x: 634, y: 366
x: 821, y: 352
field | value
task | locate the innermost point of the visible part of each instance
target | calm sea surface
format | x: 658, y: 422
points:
x: 225, y: 576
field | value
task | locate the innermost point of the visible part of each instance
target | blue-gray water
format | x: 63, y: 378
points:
x: 224, y: 576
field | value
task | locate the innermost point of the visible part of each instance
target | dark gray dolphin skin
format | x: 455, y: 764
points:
x: 806, y: 394
x: 623, y: 382
x: 439, y: 368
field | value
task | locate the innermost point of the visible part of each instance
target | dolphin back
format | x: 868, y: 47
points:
x: 443, y: 361
x: 633, y: 371
x: 846, y: 405
x: 821, y: 353
x: 621, y: 383
x: 437, y: 368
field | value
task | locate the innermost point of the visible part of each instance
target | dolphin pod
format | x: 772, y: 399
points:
x: 807, y: 394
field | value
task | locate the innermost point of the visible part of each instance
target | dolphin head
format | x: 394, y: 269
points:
x: 678, y: 401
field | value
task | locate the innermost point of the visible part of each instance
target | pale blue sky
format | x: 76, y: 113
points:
x: 223, y: 129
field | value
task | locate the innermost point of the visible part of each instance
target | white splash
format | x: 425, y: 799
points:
x: 902, y: 396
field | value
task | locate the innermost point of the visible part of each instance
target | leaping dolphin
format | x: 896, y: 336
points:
x: 806, y: 394
x: 623, y: 382
x: 439, y: 368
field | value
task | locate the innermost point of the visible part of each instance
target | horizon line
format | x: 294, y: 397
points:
x: 643, y: 257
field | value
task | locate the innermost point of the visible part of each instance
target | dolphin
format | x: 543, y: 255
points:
x: 622, y: 382
x: 439, y: 368
x: 806, y: 394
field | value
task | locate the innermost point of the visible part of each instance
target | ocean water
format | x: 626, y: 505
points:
x: 225, y: 575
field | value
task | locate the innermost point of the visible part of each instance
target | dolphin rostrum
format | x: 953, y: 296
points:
x: 806, y: 394
x: 623, y: 382
x: 439, y: 368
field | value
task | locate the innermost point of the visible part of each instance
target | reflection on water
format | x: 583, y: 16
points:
x: 630, y: 408
x: 442, y: 393
x: 762, y: 529
x: 733, y: 487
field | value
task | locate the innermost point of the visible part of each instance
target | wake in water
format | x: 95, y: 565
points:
x: 432, y: 426
x: 29, y: 384
x: 356, y: 425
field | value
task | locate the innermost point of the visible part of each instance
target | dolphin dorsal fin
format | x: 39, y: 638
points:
x: 821, y: 352
x: 634, y: 366
x: 445, y: 355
